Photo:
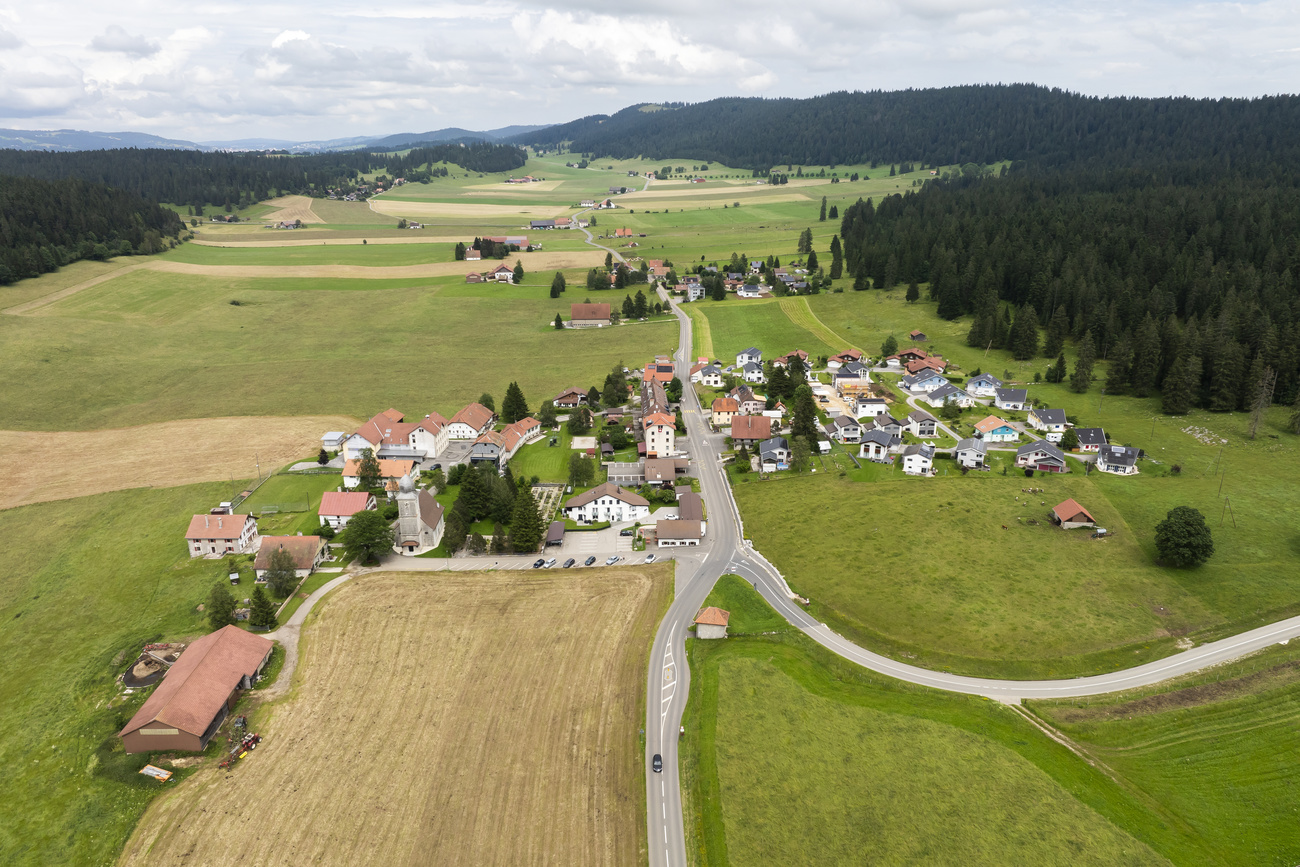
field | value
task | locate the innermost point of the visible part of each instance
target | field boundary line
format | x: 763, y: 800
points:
x: 798, y: 312
x: 703, y: 333
x: 26, y: 308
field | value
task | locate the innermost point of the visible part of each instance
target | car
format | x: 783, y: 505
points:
x: 569, y: 562
x: 627, y: 531
x: 550, y: 563
x: 649, y: 558
x: 539, y: 564
x: 657, y: 763
x: 612, y: 560
x: 589, y: 560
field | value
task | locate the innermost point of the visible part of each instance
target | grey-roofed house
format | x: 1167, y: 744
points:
x: 924, y: 382
x: 872, y: 407
x: 752, y: 372
x: 886, y: 423
x: 774, y: 454
x: 918, y: 459
x: 1011, y: 398
x: 983, y: 385
x: 1051, y: 421
x: 949, y: 392
x: 626, y: 473
x: 971, y: 453
x: 1119, y: 460
x: 844, y: 429
x: 1091, y: 439
x: 920, y: 423
x: 712, y: 376
x: 752, y: 355
x: 878, y: 446
x: 1040, y: 455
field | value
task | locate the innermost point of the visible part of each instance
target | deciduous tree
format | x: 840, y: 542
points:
x: 282, y: 576
x: 1183, y: 538
x: 368, y: 470
x: 368, y: 538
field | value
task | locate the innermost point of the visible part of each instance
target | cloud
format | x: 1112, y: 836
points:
x: 115, y: 39
x: 289, y: 36
x: 8, y: 40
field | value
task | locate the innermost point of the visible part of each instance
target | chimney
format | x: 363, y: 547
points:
x: 205, y: 522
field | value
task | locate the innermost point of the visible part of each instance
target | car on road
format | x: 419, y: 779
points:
x: 649, y: 558
x: 612, y: 560
x: 657, y: 763
x: 539, y: 563
x: 589, y: 560
x: 550, y: 563
x: 627, y: 531
x: 569, y: 562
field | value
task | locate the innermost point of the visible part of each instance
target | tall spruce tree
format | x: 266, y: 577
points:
x: 1057, y: 330
x: 513, y: 406
x: 1225, y: 376
x: 526, y: 523
x: 1180, y: 385
x: 1024, y: 334
x: 804, y: 419
x: 1146, y: 357
x: 1120, y: 367
x: 837, y: 258
x: 1081, y: 378
x: 822, y: 216
x: 262, y: 611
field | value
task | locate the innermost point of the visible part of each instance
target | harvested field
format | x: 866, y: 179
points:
x: 442, y: 718
x: 79, y: 463
x: 502, y: 187
x: 290, y: 208
x: 422, y: 237
x: 397, y: 208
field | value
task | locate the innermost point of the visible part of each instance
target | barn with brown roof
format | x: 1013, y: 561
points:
x: 197, y: 692
x: 711, y: 623
x: 750, y: 430
x: 1070, y: 515
x: 588, y: 315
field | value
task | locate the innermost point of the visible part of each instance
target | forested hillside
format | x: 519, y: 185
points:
x: 46, y: 224
x: 1158, y: 271
x: 945, y: 126
x: 198, y: 179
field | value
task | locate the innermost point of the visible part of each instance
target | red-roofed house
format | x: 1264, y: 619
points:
x: 750, y: 430
x: 501, y: 274
x: 221, y: 534
x: 307, y: 553
x: 471, y: 422
x: 588, y: 315
x: 711, y: 623
x: 660, y: 435
x: 389, y: 471
x: 338, y: 507
x: 724, y: 410
x: 389, y: 435
x: 197, y: 692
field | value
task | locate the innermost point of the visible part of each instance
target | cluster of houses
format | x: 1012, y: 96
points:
x: 557, y: 223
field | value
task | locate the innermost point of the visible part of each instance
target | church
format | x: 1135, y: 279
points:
x: 419, y: 519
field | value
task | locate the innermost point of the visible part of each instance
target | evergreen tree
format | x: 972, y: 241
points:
x: 500, y: 541
x: 1024, y: 334
x: 822, y: 216
x: 262, y: 611
x: 889, y: 347
x: 835, y: 212
x: 455, y: 530
x: 526, y: 524
x: 778, y: 383
x: 615, y: 391
x: 804, y: 419
x: 629, y: 309
x: 837, y: 258
x: 800, y: 453
x: 1146, y: 357
x: 639, y: 304
x: 459, y: 251
x: 949, y: 301
x: 559, y: 322
x: 1295, y: 414
x: 593, y: 399
x: 475, y: 498
x: 1081, y: 379
x: 1056, y: 373
x: 913, y: 292
x: 1225, y: 377
x: 368, y: 470
x: 558, y: 282
x: 1120, y: 367
x: 1057, y: 330
x: 980, y: 329
x: 805, y: 241
x: 812, y: 260
x: 513, y: 406
x: 519, y: 272
x: 220, y: 607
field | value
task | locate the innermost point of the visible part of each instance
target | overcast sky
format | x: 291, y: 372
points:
x: 211, y: 70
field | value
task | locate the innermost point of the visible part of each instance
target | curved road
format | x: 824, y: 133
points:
x: 668, y: 679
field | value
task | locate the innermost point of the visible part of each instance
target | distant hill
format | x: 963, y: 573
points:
x: 81, y: 140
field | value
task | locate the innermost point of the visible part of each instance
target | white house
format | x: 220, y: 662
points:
x: 1011, y: 398
x: 918, y: 459
x: 774, y: 454
x: 752, y: 372
x: 660, y: 432
x: 948, y: 392
x: 1040, y: 455
x: 337, y: 508
x: 921, y: 424
x: 694, y: 291
x: 389, y: 471
x: 1051, y: 421
x: 924, y: 382
x: 878, y: 446
x: 870, y: 407
x: 844, y: 429
x: 983, y: 385
x: 752, y: 355
x: 471, y: 422
x: 608, y: 502
x: 221, y: 534
x: 971, y: 453
x: 1120, y: 460
x: 712, y: 376
x: 307, y: 553
x: 1091, y: 439
x: 995, y: 430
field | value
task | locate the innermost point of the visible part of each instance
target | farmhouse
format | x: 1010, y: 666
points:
x: 1040, y: 455
x: 197, y: 692
x: 1120, y: 460
x: 389, y: 471
x: 390, y: 436
x: 307, y: 553
x: 1011, y: 398
x: 995, y: 430
x: 419, y: 520
x: 500, y: 274
x: 749, y: 430
x: 497, y: 446
x: 1070, y: 515
x: 711, y: 623
x: 1091, y: 439
x: 930, y: 362
x: 918, y: 459
x: 337, y: 508
x: 607, y: 502
x: 471, y: 422
x: 983, y: 385
x: 588, y: 315
x: 215, y: 535
x: 1052, y: 421
x: 724, y: 410
x: 570, y: 398
x: 797, y: 355
x: 971, y: 453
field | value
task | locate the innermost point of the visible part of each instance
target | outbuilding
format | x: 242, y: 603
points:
x: 711, y: 623
x: 1070, y: 515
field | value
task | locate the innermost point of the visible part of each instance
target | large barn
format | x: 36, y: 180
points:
x: 197, y: 692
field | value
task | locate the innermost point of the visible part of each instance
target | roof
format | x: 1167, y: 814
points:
x: 987, y: 377
x: 1041, y: 446
x: 658, y: 418
x: 774, y: 444
x: 589, y: 311
x: 923, y: 449
x: 572, y: 392
x: 1012, y: 395
x: 217, y: 526
x: 1070, y: 510
x: 199, y: 682
x: 690, y: 507
x: 303, y: 549
x: 669, y: 529
x: 343, y: 504
x: 842, y: 421
x: 946, y: 391
x: 712, y: 616
x: 1049, y: 416
x: 972, y: 443
x: 751, y: 427
x: 1123, y: 455
x: 880, y: 438
x: 555, y: 532
x: 933, y: 362
x: 608, y: 489
x: 847, y: 355
x: 476, y: 415
x: 430, y: 509
x: 989, y: 423
x: 388, y: 469
x: 660, y: 469
x: 921, y: 415
x: 753, y: 350
x: 1090, y: 436
x: 725, y: 404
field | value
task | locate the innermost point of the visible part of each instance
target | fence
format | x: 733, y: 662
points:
x: 276, y: 508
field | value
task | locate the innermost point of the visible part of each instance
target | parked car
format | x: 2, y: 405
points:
x: 627, y: 531
x: 589, y: 560
x: 550, y: 563
x: 649, y: 558
x: 569, y: 562
x: 539, y: 564
x: 657, y: 763
x: 612, y: 560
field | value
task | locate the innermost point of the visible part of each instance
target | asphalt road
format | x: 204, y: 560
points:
x: 668, y: 678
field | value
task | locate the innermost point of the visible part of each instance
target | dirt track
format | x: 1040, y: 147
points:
x: 40, y: 465
x: 292, y: 208
x: 441, y: 718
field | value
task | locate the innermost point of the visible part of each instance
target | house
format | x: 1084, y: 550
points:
x: 500, y: 274
x: 587, y: 203
x: 655, y: 267
x: 606, y: 205
x: 752, y: 372
x: 922, y: 383
x: 588, y: 315
x: 774, y: 454
x: 471, y: 422
x: 197, y: 692
x: 886, y: 423
x: 1052, y: 421
x: 971, y: 453
x: 921, y: 424
x: 389, y: 436
x: 337, y: 508
x: 750, y: 404
x: 660, y: 371
x: 389, y: 471
x: 751, y: 355
x: 945, y: 393
x: 749, y: 430
x: 419, y: 520
x: 660, y: 431
x: 570, y: 398
x: 711, y: 623
x: 607, y: 502
x: 371, y: 435
x: 711, y: 376
x: 916, y: 336
x: 307, y: 553
x: 870, y: 407
x: 215, y: 535
x: 624, y: 233
x: 994, y: 430
x: 724, y: 410
x: 1070, y: 515
x: 918, y: 459
x: 844, y: 429
x: 797, y: 355
x: 663, y: 471
x: 983, y: 385
x: 1120, y: 460
x: 879, y: 446
x: 855, y: 369
x: 678, y: 533
x: 1011, y: 398
x: 475, y: 277
x: 1091, y: 439
x: 750, y: 291
x: 473, y: 255
x: 913, y: 354
x: 694, y: 291
x: 930, y: 362
x: 836, y: 361
x: 1040, y: 455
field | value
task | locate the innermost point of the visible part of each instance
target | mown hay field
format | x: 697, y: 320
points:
x: 442, y: 718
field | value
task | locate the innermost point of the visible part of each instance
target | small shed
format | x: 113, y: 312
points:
x: 555, y: 534
x: 1070, y: 515
x: 711, y: 623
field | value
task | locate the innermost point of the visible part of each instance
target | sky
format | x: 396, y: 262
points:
x: 210, y: 71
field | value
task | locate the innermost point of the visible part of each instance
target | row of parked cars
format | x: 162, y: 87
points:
x: 545, y: 563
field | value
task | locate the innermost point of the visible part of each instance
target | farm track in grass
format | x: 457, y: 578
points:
x: 801, y: 314
x: 471, y: 718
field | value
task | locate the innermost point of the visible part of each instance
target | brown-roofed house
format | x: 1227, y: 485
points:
x: 338, y: 507
x: 607, y: 502
x: 221, y: 534
x: 1070, y: 515
x: 197, y: 692
x: 588, y: 315
x: 660, y: 470
x: 389, y: 471
x: 570, y: 398
x: 471, y: 422
x: 750, y: 430
x: 711, y: 623
x: 307, y: 553
x: 724, y: 410
x: 678, y: 533
x: 930, y: 362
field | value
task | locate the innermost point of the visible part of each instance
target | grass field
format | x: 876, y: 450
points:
x: 90, y: 582
x: 297, y: 496
x: 795, y: 757
x: 473, y: 661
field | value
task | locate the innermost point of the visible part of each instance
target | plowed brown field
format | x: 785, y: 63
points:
x: 442, y: 718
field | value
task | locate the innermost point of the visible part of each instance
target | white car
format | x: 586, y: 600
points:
x: 612, y: 560
x: 550, y: 563
x: 649, y: 558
